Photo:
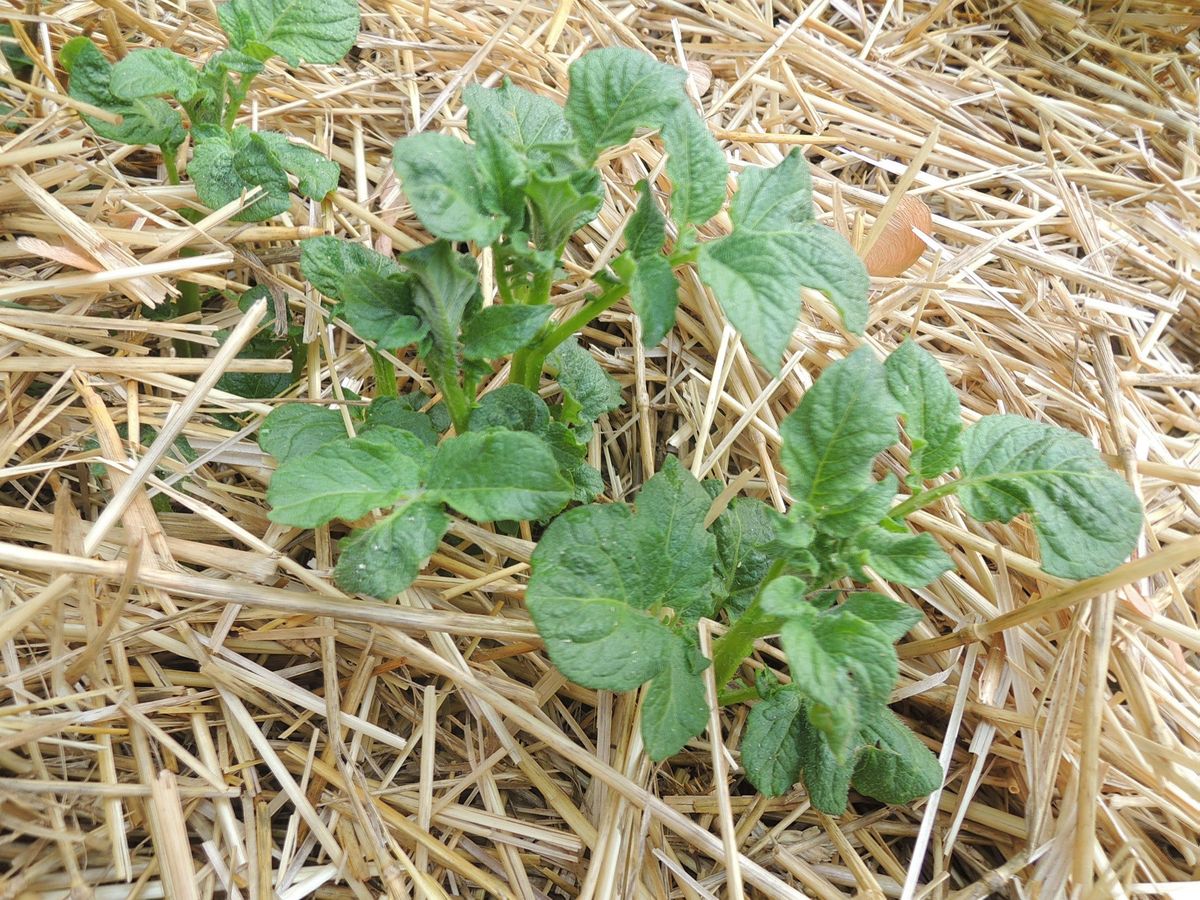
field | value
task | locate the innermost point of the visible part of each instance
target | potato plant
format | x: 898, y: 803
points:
x: 617, y: 591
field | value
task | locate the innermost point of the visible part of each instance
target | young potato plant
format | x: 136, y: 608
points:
x: 227, y: 159
x: 616, y: 592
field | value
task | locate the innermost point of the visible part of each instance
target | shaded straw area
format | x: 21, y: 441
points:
x: 190, y: 708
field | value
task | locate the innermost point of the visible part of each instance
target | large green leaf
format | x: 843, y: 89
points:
x: 830, y: 442
x: 155, y: 72
x: 312, y: 31
x: 380, y: 308
x: 497, y: 331
x: 1086, y: 516
x: 347, y: 479
x: 614, y: 91
x: 328, y: 262
x: 440, y: 174
x: 498, y: 475
x: 298, y: 429
x: 932, y: 413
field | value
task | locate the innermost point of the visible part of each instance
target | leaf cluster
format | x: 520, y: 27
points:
x: 228, y: 160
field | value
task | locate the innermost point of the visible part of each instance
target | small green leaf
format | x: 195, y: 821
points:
x: 583, y: 380
x: 497, y: 331
x: 380, y: 308
x: 312, y: 31
x: 531, y: 124
x: 440, y: 175
x: 858, y: 511
x: 562, y: 204
x: 328, y: 263
x: 932, y: 413
x: 347, y: 479
x: 399, y: 412
x: 298, y: 429
x: 513, y: 407
x: 445, y: 287
x: 892, y: 618
x: 571, y: 454
x: 225, y: 166
x: 383, y: 560
x: 744, y: 532
x: 318, y: 175
x: 653, y: 290
x: 1086, y: 516
x: 771, y: 743
x: 826, y: 777
x: 498, y: 475
x: 615, y: 90
x: 155, y: 72
x: 695, y: 165
x: 895, y: 766
x: 675, y: 708
x: 830, y: 443
x: 145, y: 120
x: 913, y: 560
x: 775, y: 199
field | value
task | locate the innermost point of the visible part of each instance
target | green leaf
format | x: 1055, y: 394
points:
x: 445, y: 286
x: 1086, y: 516
x: 653, y: 290
x: 225, y: 166
x: 146, y: 120
x: 826, y: 777
x: 562, y: 204
x: 858, y: 511
x: 775, y: 199
x: 440, y: 175
x: 347, y: 479
x: 383, y: 560
x: 513, y: 407
x: 318, y: 175
x: 675, y: 708
x: 155, y: 72
x: 615, y: 90
x: 892, y: 618
x: 298, y: 429
x: 497, y: 331
x: 744, y: 532
x: 913, y: 560
x: 571, y: 454
x: 583, y: 381
x: 380, y: 308
x: 312, y: 31
x: 534, y: 126
x: 830, y: 442
x: 932, y: 414
x: 498, y: 475
x: 598, y: 567
x: 895, y: 766
x: 771, y: 744
x: 669, y: 529
x: 695, y: 165
x: 398, y: 412
x: 328, y: 263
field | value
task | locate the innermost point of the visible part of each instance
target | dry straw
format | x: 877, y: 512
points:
x: 189, y: 708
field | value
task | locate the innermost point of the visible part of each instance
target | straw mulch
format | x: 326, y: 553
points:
x: 192, y: 709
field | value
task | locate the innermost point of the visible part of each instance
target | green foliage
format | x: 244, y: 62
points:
x: 227, y: 161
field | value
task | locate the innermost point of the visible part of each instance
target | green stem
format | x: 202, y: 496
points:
x: 923, y: 499
x: 457, y: 403
x: 385, y: 375
x: 171, y: 161
x: 530, y: 362
x: 741, y: 695
x: 237, y: 94
x: 737, y: 643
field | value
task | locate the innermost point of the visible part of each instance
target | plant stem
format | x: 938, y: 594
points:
x: 738, y: 642
x: 385, y: 374
x: 171, y: 161
x: 923, y: 499
x: 457, y: 403
x: 533, y: 359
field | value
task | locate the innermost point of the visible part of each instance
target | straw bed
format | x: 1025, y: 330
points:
x: 190, y: 708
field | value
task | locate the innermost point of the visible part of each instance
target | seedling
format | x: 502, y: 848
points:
x: 227, y: 159
x: 617, y: 592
